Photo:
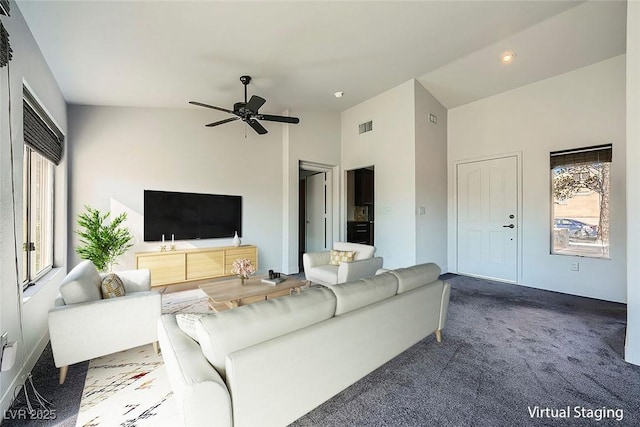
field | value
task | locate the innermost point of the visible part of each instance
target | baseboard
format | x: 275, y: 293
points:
x: 18, y: 381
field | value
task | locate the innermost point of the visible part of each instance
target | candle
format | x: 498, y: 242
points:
x: 172, y: 239
x: 163, y: 239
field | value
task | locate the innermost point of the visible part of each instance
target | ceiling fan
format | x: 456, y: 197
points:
x: 248, y: 111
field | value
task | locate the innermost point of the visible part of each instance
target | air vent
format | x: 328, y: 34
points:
x: 365, y: 127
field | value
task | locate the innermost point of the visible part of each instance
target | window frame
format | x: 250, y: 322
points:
x: 43, y: 149
x: 595, y: 155
x: 30, y: 274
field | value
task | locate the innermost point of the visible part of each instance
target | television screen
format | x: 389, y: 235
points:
x: 190, y: 215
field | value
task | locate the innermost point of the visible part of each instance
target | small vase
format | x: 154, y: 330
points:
x: 242, y: 280
x: 236, y: 240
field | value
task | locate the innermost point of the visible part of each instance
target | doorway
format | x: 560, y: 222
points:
x: 361, y: 205
x: 315, y: 219
x: 487, y: 218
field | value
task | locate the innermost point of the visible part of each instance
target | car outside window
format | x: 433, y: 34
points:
x: 580, y: 191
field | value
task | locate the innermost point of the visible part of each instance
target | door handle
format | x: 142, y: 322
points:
x: 509, y: 226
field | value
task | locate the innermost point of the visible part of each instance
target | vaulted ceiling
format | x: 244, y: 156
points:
x: 165, y: 53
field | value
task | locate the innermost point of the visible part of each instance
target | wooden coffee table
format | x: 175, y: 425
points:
x: 226, y: 294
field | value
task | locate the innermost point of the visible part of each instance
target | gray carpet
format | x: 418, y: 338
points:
x: 505, y: 349
x: 64, y: 399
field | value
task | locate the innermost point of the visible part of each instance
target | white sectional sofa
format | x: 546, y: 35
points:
x: 269, y: 363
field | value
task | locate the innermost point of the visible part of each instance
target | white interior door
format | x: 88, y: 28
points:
x: 316, y: 209
x: 487, y: 223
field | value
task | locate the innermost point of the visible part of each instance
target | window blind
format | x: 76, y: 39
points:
x: 41, y: 134
x: 600, y: 153
x: 5, y: 48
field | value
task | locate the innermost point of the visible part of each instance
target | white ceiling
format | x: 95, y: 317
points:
x: 165, y: 53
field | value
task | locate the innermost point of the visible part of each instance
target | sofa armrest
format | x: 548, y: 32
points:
x: 349, y: 271
x: 314, y: 259
x: 199, y: 390
x: 83, y: 331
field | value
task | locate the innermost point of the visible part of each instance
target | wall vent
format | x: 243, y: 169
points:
x: 365, y: 127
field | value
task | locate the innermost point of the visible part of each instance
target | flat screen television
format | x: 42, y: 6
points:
x: 190, y: 215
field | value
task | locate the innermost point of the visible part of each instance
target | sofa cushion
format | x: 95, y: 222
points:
x: 112, y: 286
x: 326, y: 273
x: 223, y: 333
x: 417, y: 275
x: 136, y: 280
x: 353, y: 295
x: 82, y: 284
x: 338, y: 257
x: 362, y: 251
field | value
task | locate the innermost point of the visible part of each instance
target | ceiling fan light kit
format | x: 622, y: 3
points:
x: 247, y: 111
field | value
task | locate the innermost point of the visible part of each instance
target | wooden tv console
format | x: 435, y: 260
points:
x: 187, y: 265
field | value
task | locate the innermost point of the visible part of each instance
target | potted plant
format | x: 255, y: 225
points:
x: 100, y: 241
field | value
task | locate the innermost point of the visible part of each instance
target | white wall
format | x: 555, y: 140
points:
x: 390, y: 147
x: 431, y: 178
x: 27, y: 66
x: 581, y: 108
x: 117, y: 153
x: 632, y: 348
x: 316, y: 139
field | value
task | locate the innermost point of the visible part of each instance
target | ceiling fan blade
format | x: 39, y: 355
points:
x: 222, y: 122
x: 254, y: 103
x: 200, y: 104
x: 257, y: 126
x: 281, y: 119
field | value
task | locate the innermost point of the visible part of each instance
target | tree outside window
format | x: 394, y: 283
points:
x: 581, y: 202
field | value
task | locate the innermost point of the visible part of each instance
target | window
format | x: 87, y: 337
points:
x: 38, y: 215
x: 580, y: 188
x: 42, y: 152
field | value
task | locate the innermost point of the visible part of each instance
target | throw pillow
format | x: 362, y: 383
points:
x: 82, y: 284
x: 187, y: 323
x: 338, y: 257
x: 112, y: 286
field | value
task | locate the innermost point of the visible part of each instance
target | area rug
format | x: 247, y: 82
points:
x: 191, y: 301
x: 131, y: 388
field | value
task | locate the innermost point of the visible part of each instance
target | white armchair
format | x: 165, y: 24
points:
x: 83, y: 326
x: 317, y: 268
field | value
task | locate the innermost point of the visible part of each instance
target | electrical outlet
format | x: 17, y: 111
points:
x: 575, y: 266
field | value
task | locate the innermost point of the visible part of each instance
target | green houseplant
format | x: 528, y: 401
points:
x: 100, y: 241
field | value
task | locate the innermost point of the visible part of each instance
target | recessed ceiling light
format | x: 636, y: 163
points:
x: 338, y: 94
x: 507, y: 57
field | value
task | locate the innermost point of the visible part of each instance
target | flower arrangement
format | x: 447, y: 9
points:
x: 243, y: 268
